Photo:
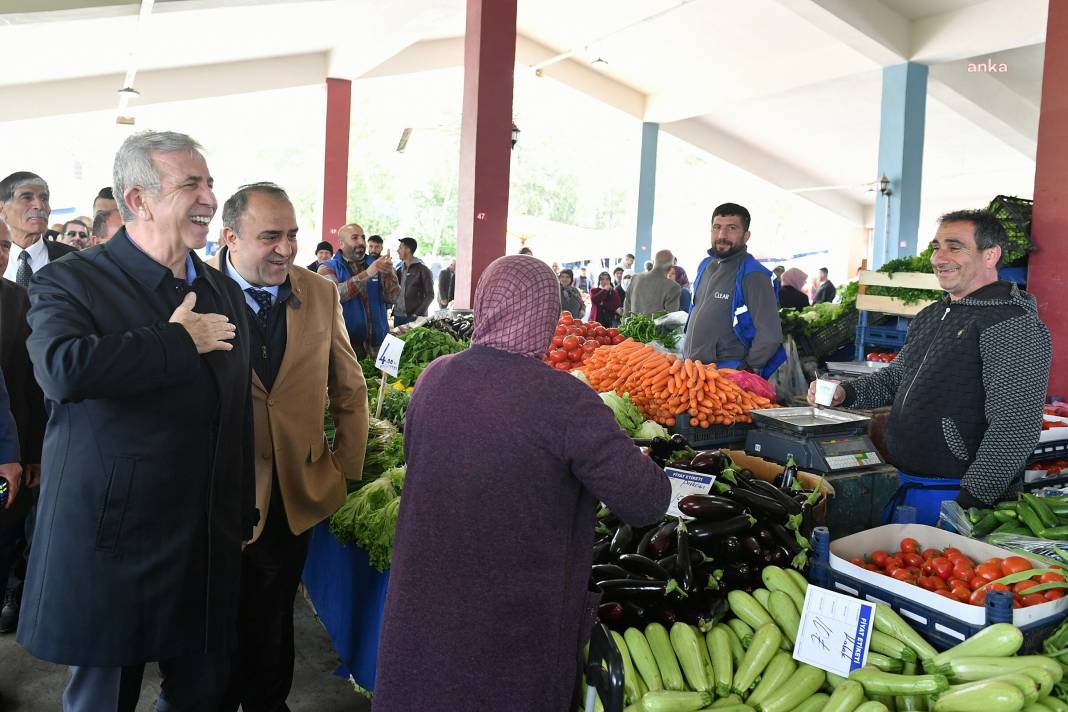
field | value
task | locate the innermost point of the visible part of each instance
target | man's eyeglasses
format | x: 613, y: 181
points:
x: 75, y: 233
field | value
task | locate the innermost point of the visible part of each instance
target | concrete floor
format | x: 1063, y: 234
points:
x: 30, y: 685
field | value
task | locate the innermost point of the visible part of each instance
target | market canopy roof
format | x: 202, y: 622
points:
x: 788, y: 90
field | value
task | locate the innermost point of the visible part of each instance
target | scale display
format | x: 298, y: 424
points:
x: 848, y: 452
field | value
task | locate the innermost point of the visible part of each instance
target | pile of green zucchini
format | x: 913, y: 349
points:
x: 745, y: 664
x: 1042, y: 517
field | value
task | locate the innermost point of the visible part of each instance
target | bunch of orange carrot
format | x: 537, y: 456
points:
x: 664, y: 386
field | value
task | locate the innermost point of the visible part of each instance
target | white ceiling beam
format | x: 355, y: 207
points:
x: 987, y: 103
x: 758, y: 162
x: 979, y: 30
x: 869, y: 27
x: 29, y: 101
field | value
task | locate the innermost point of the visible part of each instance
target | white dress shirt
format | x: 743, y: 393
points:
x: 38, y: 252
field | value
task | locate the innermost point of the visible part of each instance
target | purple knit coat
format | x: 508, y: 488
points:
x: 488, y: 605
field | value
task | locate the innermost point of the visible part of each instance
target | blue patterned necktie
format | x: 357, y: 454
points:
x: 23, y: 274
x: 263, y: 298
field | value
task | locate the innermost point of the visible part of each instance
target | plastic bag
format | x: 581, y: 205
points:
x: 753, y: 383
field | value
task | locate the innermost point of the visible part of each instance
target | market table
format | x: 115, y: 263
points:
x: 349, y: 596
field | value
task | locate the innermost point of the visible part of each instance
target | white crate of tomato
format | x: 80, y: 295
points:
x: 848, y: 552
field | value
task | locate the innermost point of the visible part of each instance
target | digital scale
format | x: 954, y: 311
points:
x: 821, y: 440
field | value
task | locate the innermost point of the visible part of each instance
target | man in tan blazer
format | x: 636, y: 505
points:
x: 300, y: 355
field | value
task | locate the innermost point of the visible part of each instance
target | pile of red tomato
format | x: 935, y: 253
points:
x: 885, y: 357
x: 575, y: 340
x: 951, y: 574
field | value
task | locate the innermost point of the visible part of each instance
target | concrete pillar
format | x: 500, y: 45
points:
x: 336, y: 157
x: 485, y: 141
x: 643, y: 243
x: 1046, y: 278
x: 904, y: 106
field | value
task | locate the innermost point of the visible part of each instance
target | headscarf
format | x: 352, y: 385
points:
x: 680, y: 276
x: 795, y: 278
x: 517, y: 306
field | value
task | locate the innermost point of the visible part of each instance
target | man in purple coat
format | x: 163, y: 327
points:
x: 507, y: 460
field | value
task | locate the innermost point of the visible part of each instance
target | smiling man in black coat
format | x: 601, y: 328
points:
x: 147, y: 490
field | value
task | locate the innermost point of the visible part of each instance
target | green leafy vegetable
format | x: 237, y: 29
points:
x: 641, y: 328
x: 359, y: 504
x: 650, y: 429
x: 627, y: 414
x: 421, y: 346
x: 376, y: 531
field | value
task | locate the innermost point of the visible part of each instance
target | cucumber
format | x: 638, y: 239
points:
x: 1024, y: 683
x: 889, y: 645
x: 631, y: 691
x: 998, y: 640
x: 805, y: 682
x: 660, y: 645
x: 761, y: 594
x: 798, y: 579
x: 742, y: 630
x: 719, y: 650
x: 726, y: 702
x: 675, y: 701
x: 785, y: 615
x: 688, y: 650
x: 985, y: 696
x: 643, y: 659
x: 778, y: 671
x: 748, y: 608
x: 872, y: 706
x: 888, y: 621
x: 737, y: 651
x: 846, y: 697
x: 776, y: 580
x: 1054, y: 704
x: 813, y: 704
x: 885, y: 662
x: 765, y: 644
x: 972, y: 669
x: 877, y: 682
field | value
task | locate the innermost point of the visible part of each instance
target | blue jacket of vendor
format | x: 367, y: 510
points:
x: 353, y: 311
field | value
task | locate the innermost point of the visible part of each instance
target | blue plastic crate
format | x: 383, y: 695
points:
x: 939, y: 629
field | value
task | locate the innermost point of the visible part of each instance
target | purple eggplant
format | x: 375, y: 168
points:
x: 709, y: 506
x: 605, y: 572
x: 784, y: 498
x: 660, y: 544
x: 631, y: 589
x: 761, y: 505
x: 610, y: 613
x: 643, y: 543
x: 600, y: 550
x: 640, y: 565
x: 707, y: 535
x: 709, y: 462
x: 683, y: 565
x: 622, y: 540
x: 752, y: 550
x: 730, y: 548
x: 739, y: 575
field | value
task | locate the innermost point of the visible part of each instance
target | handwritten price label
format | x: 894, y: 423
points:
x: 683, y: 483
x: 835, y: 631
x: 389, y: 354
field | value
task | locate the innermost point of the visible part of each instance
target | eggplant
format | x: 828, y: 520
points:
x: 622, y: 539
x: 786, y: 478
x: 766, y: 488
x: 769, y: 557
x: 739, y: 575
x: 600, y: 550
x: 643, y: 566
x: 679, y: 464
x: 709, y: 462
x: 782, y: 556
x: 752, y: 550
x: 635, y: 615
x: 709, y: 506
x: 730, y: 548
x: 660, y: 544
x: 765, y: 537
x: 807, y: 520
x: 667, y: 564
x: 683, y: 565
x: 706, y: 535
x: 760, y: 504
x: 703, y: 611
x: 678, y: 442
x: 643, y: 543
x: 627, y: 589
x: 785, y: 538
x: 665, y: 615
x: 660, y: 450
x: 605, y: 572
x: 610, y: 613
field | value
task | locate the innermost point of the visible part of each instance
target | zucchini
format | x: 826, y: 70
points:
x: 778, y: 671
x: 846, y: 697
x: 719, y: 650
x: 643, y: 659
x: 877, y: 682
x: 888, y: 621
x: 733, y: 707
x: 776, y: 580
x: 998, y: 640
x: 765, y: 644
x: 972, y: 669
x: 660, y: 645
x: 1024, y: 683
x: 987, y: 696
x: 688, y: 650
x: 813, y: 704
x: 833, y: 681
x: 885, y: 662
x: 726, y: 702
x: 631, y: 691
x: 805, y: 682
x: 910, y: 703
x: 675, y: 701
x: 749, y: 609
x: 889, y: 645
x: 798, y: 579
x: 741, y: 629
x: 1042, y: 677
x: 761, y: 595
x: 785, y: 615
x: 872, y: 706
x: 1054, y: 704
x: 737, y: 651
x: 705, y: 659
x: 1035, y: 707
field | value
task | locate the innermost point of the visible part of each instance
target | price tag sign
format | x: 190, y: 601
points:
x: 684, y: 483
x: 389, y: 354
x: 835, y: 631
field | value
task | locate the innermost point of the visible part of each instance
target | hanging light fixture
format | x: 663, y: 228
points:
x: 515, y: 134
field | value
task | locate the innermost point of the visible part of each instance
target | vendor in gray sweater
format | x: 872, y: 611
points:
x: 654, y: 291
x: 734, y: 322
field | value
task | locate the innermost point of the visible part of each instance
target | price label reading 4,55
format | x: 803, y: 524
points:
x: 835, y: 631
x: 389, y: 355
x: 684, y: 483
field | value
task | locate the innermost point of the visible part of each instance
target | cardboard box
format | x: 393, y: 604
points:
x: 888, y: 538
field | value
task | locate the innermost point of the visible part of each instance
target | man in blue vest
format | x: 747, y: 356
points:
x: 367, y: 287
x: 734, y: 322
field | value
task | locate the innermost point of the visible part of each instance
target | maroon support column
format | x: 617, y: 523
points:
x: 485, y: 141
x: 336, y: 158
x: 1046, y: 276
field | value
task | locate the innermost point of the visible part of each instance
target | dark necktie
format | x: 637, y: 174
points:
x: 23, y: 274
x: 263, y: 298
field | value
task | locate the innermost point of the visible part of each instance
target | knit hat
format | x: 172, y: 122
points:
x: 324, y: 245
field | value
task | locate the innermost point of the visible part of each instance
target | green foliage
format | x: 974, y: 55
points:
x: 423, y: 345
x: 919, y: 263
x: 641, y: 328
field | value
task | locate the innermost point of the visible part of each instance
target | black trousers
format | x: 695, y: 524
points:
x: 262, y: 669
x: 191, y: 684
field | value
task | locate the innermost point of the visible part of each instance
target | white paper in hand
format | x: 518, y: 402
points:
x: 389, y: 354
x: 684, y: 483
x: 835, y: 631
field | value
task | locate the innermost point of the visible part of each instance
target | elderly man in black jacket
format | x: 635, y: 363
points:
x: 24, y: 207
x: 148, y: 487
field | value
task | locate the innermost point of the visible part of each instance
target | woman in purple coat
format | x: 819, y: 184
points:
x: 507, y: 459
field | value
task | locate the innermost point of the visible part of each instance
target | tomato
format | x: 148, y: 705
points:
x: 1053, y: 594
x: 961, y: 593
x: 561, y: 331
x: 929, y: 567
x: 570, y: 343
x: 900, y: 574
x: 913, y: 571
x: 931, y: 554
x: 618, y: 339
x: 558, y: 341
x: 893, y: 562
x: 1033, y: 599
x: 957, y: 583
x: 858, y: 562
x: 1014, y: 565
x: 577, y: 331
x: 963, y: 572
x: 913, y: 559
x: 951, y: 551
x: 995, y: 561
x: 988, y: 572
x: 563, y: 365
x: 943, y: 567
x: 946, y: 594
x: 612, y: 331
x: 575, y: 356
x: 879, y: 557
x: 589, y: 345
x: 1023, y: 586
x: 925, y: 582
x: 938, y: 583
x: 873, y: 567
x: 557, y: 355
x: 1050, y: 578
x: 910, y: 546
x: 978, y: 597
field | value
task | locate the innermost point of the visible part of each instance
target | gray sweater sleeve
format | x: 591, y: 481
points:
x: 1016, y: 356
x: 764, y: 309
